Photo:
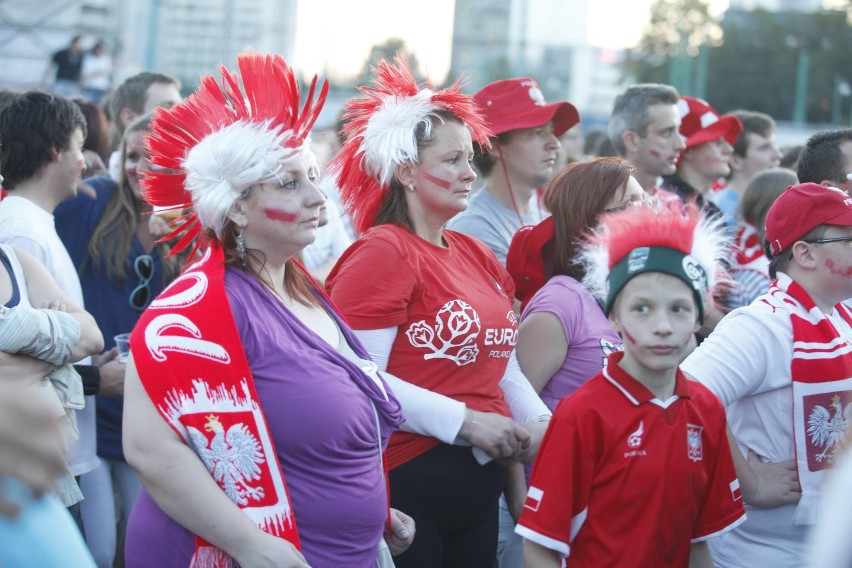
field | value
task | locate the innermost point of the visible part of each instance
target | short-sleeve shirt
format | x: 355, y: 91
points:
x: 493, y: 223
x: 746, y: 362
x: 625, y: 479
x: 590, y: 336
x: 107, y: 302
x: 453, y: 310
x: 68, y: 64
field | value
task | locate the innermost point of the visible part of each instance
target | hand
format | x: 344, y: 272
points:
x: 158, y: 226
x: 30, y: 444
x: 496, y: 435
x: 111, y: 372
x: 53, y: 305
x: 776, y: 483
x: 94, y: 164
x: 536, y: 431
x: 268, y: 551
x: 402, y: 535
x: 87, y: 190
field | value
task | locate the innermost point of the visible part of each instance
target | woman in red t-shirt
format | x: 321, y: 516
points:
x: 434, y: 308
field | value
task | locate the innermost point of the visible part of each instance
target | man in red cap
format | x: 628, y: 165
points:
x: 782, y: 367
x: 709, y: 140
x: 522, y: 158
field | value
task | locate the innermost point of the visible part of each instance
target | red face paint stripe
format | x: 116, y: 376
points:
x: 279, y: 215
x: 627, y: 335
x: 436, y: 180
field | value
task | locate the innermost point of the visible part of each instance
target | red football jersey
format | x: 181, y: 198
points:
x: 453, y: 310
x: 625, y: 479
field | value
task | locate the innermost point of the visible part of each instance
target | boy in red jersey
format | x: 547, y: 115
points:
x: 635, y: 468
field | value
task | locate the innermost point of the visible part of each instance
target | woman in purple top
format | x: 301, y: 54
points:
x: 252, y: 413
x: 564, y: 337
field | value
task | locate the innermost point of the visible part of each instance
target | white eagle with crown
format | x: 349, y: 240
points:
x: 232, y: 458
x: 827, y: 431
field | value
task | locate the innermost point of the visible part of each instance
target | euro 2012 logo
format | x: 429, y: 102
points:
x: 453, y: 336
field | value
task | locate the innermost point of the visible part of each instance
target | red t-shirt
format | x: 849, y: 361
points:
x: 453, y: 310
x: 624, y: 479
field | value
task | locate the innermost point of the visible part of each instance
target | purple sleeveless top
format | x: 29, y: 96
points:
x: 324, y: 430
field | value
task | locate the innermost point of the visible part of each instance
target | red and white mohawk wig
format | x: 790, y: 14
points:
x: 381, y: 134
x: 222, y: 140
x: 676, y: 240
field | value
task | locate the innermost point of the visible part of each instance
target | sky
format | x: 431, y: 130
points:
x: 340, y: 45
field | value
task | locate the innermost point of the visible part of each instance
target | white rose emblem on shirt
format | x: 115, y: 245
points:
x: 453, y: 336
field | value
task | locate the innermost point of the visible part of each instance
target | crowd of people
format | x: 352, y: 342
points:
x: 455, y: 337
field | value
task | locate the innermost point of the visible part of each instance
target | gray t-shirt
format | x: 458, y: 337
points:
x: 492, y: 223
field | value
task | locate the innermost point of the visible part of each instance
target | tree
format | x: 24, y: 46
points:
x: 675, y: 32
x: 758, y: 65
x: 387, y: 50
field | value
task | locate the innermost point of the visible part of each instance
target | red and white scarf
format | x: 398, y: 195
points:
x: 821, y: 373
x: 747, y: 250
x: 190, y: 359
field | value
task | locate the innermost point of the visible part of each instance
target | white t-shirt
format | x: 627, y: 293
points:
x: 746, y: 363
x: 25, y: 225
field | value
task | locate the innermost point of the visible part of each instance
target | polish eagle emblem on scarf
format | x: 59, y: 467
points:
x: 233, y: 458
x: 826, y: 429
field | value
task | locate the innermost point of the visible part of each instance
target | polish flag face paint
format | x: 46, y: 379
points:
x: 627, y: 335
x: 281, y: 215
x: 436, y: 180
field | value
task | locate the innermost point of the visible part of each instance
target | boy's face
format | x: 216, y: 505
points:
x: 834, y: 263
x: 656, y: 316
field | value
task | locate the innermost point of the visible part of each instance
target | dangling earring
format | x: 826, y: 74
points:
x: 241, y: 248
x: 411, y: 187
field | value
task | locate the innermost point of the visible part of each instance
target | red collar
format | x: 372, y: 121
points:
x: 633, y: 390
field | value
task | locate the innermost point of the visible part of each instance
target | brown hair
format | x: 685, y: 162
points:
x: 97, y: 129
x: 576, y: 196
x: 760, y: 193
x: 297, y: 283
x: 110, y: 242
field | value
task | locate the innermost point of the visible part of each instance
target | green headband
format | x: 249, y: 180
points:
x: 658, y: 259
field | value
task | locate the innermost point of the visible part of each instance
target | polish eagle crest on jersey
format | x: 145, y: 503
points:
x: 827, y: 427
x: 453, y: 336
x: 694, y: 449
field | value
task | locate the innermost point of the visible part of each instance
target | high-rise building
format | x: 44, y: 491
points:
x: 184, y: 38
x: 493, y: 39
x: 543, y: 39
x: 776, y: 5
x: 189, y: 38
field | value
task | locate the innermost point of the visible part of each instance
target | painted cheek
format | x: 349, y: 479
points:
x: 627, y: 335
x: 836, y: 270
x: 440, y: 182
x: 280, y: 215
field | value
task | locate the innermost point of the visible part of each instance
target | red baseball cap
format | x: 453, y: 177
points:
x: 526, y: 259
x: 512, y: 104
x: 700, y: 123
x: 801, y: 209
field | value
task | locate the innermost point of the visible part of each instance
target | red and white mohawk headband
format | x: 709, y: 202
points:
x: 222, y: 140
x: 380, y: 134
x: 676, y: 240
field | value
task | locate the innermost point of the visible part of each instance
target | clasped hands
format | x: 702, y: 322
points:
x: 502, y: 438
